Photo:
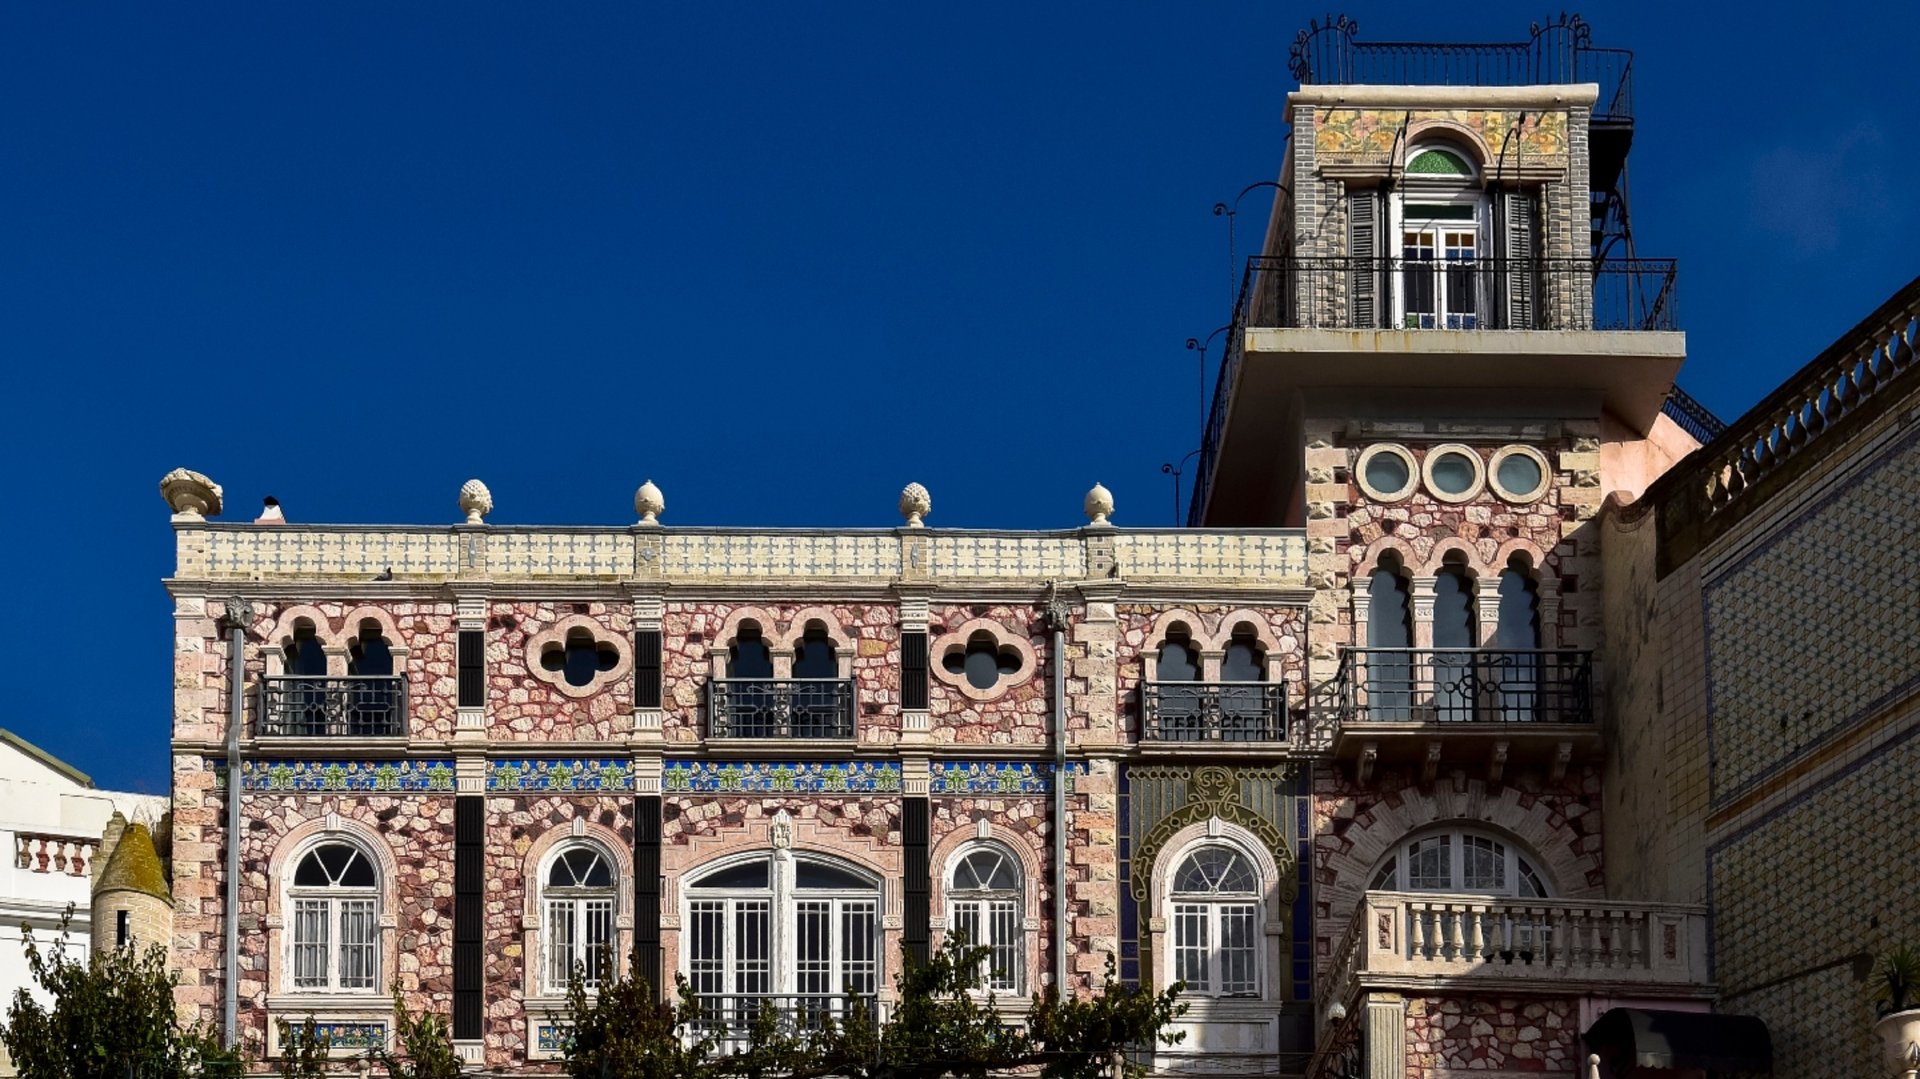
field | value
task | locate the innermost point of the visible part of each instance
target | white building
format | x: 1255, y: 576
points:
x: 51, y: 819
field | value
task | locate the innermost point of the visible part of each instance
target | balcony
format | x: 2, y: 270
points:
x: 819, y: 709
x: 1212, y: 714
x: 1398, y: 704
x: 1287, y: 292
x: 729, y: 1020
x: 1414, y: 941
x: 330, y: 706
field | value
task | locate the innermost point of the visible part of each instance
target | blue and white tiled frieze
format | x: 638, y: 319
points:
x: 582, y: 775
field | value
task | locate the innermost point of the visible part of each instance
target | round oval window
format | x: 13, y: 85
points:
x: 1388, y: 473
x: 1519, y: 474
x: 1453, y: 473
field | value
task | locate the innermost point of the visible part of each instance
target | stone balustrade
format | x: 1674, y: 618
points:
x: 37, y: 853
x: 1422, y: 941
x: 235, y: 552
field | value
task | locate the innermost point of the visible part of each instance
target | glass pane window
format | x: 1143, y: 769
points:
x: 1460, y: 861
x: 579, y: 908
x: 1485, y: 864
x: 984, y: 902
x: 334, y: 897
x: 823, y: 920
x: 1215, y: 918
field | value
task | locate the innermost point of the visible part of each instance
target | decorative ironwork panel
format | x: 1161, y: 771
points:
x: 1461, y: 685
x: 812, y: 708
x: 346, y: 706
x: 1213, y: 712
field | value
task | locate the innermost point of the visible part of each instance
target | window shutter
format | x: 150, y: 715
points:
x: 469, y: 903
x: 647, y: 818
x: 913, y: 670
x: 473, y: 653
x: 646, y: 668
x: 1363, y: 252
x: 916, y: 889
x: 1521, y: 216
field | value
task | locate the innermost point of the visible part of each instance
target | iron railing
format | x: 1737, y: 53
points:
x: 333, y: 706
x: 1290, y: 292
x: 1693, y: 417
x: 1461, y: 685
x: 780, y: 708
x: 730, y: 1018
x: 1213, y: 712
x: 1557, y: 53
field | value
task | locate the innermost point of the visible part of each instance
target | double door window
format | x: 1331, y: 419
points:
x: 799, y: 937
x: 1441, y: 283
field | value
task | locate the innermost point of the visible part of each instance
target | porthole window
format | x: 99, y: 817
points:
x: 1386, y: 472
x: 1518, y: 474
x: 1454, y: 473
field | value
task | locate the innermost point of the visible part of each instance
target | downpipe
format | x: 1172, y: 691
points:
x: 1057, y: 619
x: 239, y: 613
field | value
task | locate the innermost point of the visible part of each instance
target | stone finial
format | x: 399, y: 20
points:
x: 915, y: 504
x: 1099, y: 504
x: 190, y: 494
x: 649, y: 503
x: 475, y: 501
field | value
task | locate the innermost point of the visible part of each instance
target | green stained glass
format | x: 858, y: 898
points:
x: 1438, y: 163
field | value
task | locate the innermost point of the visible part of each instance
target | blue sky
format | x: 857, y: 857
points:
x: 780, y: 258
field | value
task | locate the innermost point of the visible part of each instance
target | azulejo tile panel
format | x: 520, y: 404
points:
x: 550, y: 1038
x: 390, y: 777
x: 560, y: 776
x: 1001, y: 777
x: 353, y: 1035
x: 797, y: 777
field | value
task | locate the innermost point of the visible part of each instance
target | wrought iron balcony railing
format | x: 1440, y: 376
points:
x: 1460, y: 685
x: 780, y: 708
x: 333, y: 706
x: 1558, y: 52
x: 730, y: 1018
x: 1213, y: 712
x: 1460, y: 294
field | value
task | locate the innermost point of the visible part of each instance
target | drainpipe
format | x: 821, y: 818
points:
x: 1057, y: 619
x: 239, y: 613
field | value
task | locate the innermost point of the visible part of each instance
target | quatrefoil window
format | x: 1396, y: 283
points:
x: 578, y: 656
x: 983, y: 659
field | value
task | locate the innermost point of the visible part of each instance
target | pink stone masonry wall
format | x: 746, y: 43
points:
x: 1450, y: 1035
x: 1017, y: 716
x: 520, y: 706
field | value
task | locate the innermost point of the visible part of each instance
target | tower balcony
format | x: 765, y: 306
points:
x: 1424, y: 941
x: 1396, y: 706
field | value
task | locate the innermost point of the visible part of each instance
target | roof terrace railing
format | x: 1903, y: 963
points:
x: 1557, y: 52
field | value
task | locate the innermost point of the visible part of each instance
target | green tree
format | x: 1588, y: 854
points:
x: 112, y: 1016
x: 425, y: 1045
x: 939, y: 1026
x: 303, y: 1050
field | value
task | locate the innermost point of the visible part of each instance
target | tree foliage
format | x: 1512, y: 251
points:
x: 112, y: 1017
x: 303, y: 1050
x: 424, y: 1045
x: 939, y: 1026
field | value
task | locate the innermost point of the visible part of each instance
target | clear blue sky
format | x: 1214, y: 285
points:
x: 782, y: 258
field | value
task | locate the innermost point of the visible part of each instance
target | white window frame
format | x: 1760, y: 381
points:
x: 1428, y: 189
x: 580, y: 905
x: 1001, y: 911
x: 1208, y: 915
x: 781, y: 903
x: 1513, y: 861
x: 329, y: 908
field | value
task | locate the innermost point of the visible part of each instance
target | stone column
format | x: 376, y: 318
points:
x: 1386, y: 1035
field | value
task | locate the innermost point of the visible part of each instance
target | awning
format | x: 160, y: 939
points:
x: 1639, y: 1038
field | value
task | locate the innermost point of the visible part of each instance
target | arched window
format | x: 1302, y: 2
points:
x: 1216, y: 921
x: 370, y: 652
x: 335, y: 899
x: 1177, y: 660
x: 577, y: 905
x: 1244, y: 660
x: 1461, y: 862
x: 305, y: 655
x: 1515, y: 670
x: 1454, y: 628
x: 1244, y: 714
x: 748, y: 657
x: 821, y: 917
x: 813, y: 655
x: 1519, y: 618
x: 1442, y: 223
x: 984, y: 905
x: 1389, y: 667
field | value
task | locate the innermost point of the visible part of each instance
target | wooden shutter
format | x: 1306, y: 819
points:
x: 646, y: 668
x: 646, y: 888
x: 473, y: 655
x: 469, y: 903
x: 1520, y: 217
x: 913, y: 670
x: 1364, y: 299
x: 917, y: 887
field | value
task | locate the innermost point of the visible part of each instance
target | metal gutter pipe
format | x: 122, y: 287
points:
x: 1057, y: 617
x: 239, y: 613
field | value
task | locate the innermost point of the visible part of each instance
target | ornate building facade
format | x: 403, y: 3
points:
x: 1395, y: 756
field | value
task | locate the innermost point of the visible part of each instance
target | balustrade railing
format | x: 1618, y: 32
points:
x: 333, y: 706
x: 729, y: 1019
x: 1337, y: 292
x: 53, y: 854
x: 1423, y: 935
x: 1213, y: 712
x: 820, y: 708
x: 1460, y: 685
